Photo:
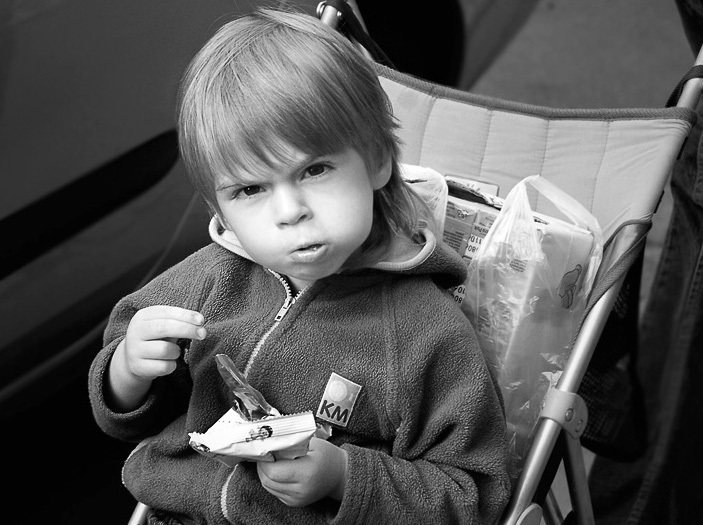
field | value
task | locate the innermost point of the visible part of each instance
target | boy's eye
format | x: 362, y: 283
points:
x: 248, y: 191
x: 317, y: 169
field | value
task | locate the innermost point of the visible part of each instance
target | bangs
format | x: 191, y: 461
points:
x: 260, y: 116
x: 246, y: 138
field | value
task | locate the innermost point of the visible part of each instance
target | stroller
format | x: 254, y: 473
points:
x: 614, y: 162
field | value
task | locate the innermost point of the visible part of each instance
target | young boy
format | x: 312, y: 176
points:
x: 319, y: 280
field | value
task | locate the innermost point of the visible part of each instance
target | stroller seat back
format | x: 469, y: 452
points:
x: 614, y: 161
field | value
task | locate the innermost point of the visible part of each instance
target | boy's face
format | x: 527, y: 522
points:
x: 303, y: 218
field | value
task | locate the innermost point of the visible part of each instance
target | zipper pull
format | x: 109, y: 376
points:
x: 284, y: 309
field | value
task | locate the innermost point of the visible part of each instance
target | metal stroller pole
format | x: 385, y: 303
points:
x: 691, y: 93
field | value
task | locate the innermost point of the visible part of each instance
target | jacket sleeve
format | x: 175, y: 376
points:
x: 449, y: 461
x: 181, y: 285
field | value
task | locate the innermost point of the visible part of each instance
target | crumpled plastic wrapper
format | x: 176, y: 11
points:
x: 431, y: 186
x: 233, y: 439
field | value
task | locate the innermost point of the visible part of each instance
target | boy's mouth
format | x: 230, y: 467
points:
x: 309, y: 253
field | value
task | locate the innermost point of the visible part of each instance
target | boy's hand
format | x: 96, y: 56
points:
x: 304, y: 480
x: 150, y: 345
x: 150, y: 350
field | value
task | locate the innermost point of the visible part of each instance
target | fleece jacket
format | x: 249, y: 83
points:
x: 426, y: 435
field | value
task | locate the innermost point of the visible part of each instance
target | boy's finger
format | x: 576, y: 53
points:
x: 156, y: 367
x: 172, y: 312
x: 165, y: 350
x: 163, y: 328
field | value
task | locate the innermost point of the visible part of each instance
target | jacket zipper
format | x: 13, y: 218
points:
x: 287, y: 303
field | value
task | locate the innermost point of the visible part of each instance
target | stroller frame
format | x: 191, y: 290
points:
x: 565, y: 413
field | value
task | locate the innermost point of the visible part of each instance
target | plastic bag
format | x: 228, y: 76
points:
x: 431, y: 186
x: 526, y: 293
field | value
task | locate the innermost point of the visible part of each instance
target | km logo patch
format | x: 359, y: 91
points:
x: 338, y: 400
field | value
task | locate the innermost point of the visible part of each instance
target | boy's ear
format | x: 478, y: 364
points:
x: 382, y: 175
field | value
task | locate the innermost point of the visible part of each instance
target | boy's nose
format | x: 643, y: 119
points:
x: 291, y: 207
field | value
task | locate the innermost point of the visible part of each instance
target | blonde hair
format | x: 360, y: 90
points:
x: 273, y: 80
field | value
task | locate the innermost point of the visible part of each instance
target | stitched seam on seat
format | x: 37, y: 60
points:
x: 485, y: 143
x: 544, y: 157
x: 596, y: 180
x: 423, y: 135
